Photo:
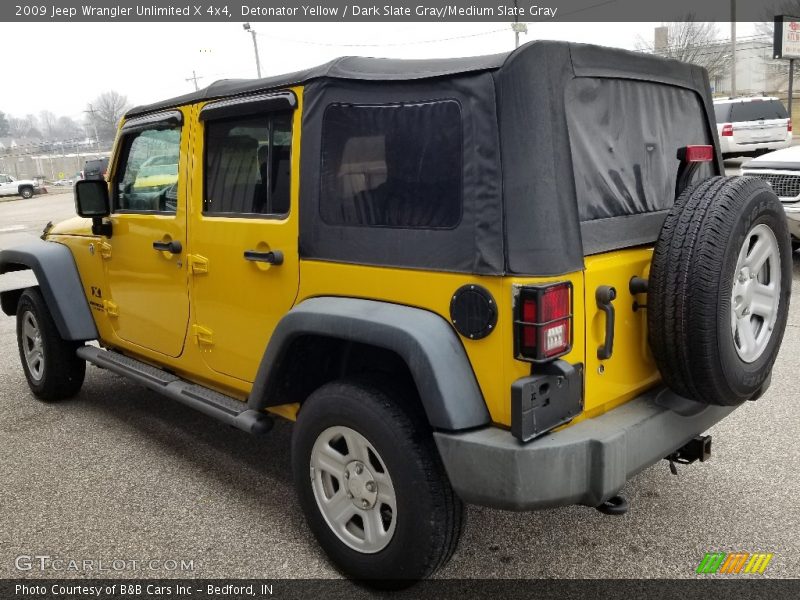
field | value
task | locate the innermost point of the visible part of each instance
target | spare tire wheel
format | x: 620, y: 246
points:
x: 718, y: 295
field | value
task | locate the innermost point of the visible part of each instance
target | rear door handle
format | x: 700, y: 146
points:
x: 173, y: 247
x: 274, y: 257
x: 604, y: 296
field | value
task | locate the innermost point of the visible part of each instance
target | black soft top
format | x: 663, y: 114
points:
x: 355, y: 68
x: 547, y: 180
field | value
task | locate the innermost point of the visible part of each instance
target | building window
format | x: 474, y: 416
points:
x: 395, y: 165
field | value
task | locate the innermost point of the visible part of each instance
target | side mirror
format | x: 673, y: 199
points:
x: 91, y: 201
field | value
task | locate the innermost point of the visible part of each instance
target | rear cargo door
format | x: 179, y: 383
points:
x: 618, y: 361
x: 758, y: 121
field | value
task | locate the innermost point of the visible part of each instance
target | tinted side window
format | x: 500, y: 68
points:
x: 758, y: 110
x: 248, y: 165
x: 722, y: 112
x: 148, y: 178
x: 395, y: 165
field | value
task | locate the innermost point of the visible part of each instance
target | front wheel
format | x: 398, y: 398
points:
x: 26, y: 192
x: 51, y: 366
x: 372, y: 486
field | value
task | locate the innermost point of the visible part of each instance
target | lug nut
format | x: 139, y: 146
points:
x: 346, y: 474
x: 350, y: 495
x: 359, y: 468
x: 370, y: 486
x: 364, y: 504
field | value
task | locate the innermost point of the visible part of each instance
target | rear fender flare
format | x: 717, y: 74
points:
x: 426, y: 342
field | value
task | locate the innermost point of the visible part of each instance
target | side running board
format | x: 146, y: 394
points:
x: 221, y: 407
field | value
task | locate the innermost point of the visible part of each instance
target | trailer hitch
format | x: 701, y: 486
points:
x: 698, y: 448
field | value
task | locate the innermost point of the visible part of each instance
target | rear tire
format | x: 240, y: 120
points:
x: 53, y: 369
x: 718, y: 297
x: 348, y: 431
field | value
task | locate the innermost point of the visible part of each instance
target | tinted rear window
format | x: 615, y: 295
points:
x: 758, y: 110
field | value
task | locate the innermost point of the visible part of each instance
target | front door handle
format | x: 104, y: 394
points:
x: 173, y: 246
x: 274, y: 257
x: 604, y: 296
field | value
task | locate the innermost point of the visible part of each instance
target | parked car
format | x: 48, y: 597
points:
x: 781, y: 171
x: 488, y: 289
x: 96, y: 169
x: 749, y: 126
x: 11, y: 186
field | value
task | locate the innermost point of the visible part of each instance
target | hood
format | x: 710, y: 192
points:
x: 788, y: 158
x: 73, y: 226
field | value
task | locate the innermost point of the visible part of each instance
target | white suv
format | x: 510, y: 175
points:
x: 749, y: 126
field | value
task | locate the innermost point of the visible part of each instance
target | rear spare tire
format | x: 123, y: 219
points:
x: 718, y: 296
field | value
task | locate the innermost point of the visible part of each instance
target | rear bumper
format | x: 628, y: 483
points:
x: 586, y: 463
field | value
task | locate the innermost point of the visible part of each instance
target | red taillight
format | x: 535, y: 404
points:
x: 543, y: 322
x: 698, y: 154
x: 727, y: 130
x: 789, y: 126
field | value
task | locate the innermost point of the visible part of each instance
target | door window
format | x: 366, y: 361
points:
x: 147, y: 180
x: 248, y: 166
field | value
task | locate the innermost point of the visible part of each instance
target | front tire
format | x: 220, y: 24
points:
x: 372, y: 486
x: 53, y: 369
x: 26, y: 193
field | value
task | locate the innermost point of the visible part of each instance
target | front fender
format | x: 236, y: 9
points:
x: 425, y: 341
x: 59, y: 281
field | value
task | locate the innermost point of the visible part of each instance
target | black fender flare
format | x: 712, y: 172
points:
x: 55, y: 270
x: 427, y: 343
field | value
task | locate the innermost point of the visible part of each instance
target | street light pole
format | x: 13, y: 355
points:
x: 252, y: 31
x: 733, y: 48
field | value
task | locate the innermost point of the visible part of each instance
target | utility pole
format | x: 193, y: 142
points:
x: 516, y: 26
x: 252, y: 32
x: 733, y: 48
x: 92, y: 112
x: 194, y: 79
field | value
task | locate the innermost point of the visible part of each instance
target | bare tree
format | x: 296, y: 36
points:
x: 68, y: 129
x: 693, y: 42
x: 27, y: 127
x: 49, y: 124
x: 4, y: 126
x: 105, y: 112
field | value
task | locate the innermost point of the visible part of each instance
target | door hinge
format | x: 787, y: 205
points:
x: 112, y: 310
x: 198, y: 265
x: 203, y: 335
x: 105, y: 250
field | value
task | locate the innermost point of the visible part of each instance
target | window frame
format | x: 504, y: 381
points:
x: 126, y: 142
x: 244, y: 116
x: 459, y: 153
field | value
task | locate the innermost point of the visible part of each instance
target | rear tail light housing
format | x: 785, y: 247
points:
x: 727, y: 130
x: 789, y: 126
x: 542, y: 321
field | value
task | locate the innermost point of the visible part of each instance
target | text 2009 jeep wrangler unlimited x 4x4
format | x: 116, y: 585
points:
x: 513, y: 280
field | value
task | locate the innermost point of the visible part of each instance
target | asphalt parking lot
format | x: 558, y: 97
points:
x: 121, y: 473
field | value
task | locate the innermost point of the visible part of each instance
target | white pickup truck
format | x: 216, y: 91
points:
x: 18, y: 187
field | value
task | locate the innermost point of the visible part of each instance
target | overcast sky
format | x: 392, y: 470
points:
x: 62, y: 66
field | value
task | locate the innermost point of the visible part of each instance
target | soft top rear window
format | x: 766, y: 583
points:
x: 758, y: 110
x: 624, y: 137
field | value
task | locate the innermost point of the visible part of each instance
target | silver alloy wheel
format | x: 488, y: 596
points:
x: 353, y: 489
x: 756, y: 293
x: 32, y: 345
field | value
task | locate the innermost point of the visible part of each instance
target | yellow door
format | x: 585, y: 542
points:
x: 145, y: 270
x: 630, y: 368
x: 243, y: 233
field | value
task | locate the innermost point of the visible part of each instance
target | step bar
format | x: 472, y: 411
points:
x: 223, y: 408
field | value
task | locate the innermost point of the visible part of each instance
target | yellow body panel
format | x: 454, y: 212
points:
x: 232, y: 306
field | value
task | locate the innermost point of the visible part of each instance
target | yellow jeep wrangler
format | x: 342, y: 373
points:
x: 512, y: 280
